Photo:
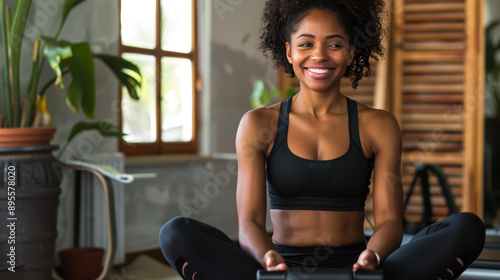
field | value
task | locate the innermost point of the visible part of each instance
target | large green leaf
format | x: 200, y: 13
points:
x: 81, y: 92
x: 257, y: 92
x: 56, y: 52
x: 79, y: 59
x: 107, y: 129
x: 21, y: 12
x: 245, y: 38
x: 51, y: 82
x: 6, y: 84
x: 262, y: 97
x: 68, y: 6
x: 274, y: 94
x: 133, y: 86
x: 20, y: 16
x: 127, y: 72
x: 74, y: 97
x: 30, y: 104
x: 290, y: 92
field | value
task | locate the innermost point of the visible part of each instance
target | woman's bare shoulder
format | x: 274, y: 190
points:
x: 261, y: 117
x: 376, y: 118
x: 258, y: 127
x: 381, y: 129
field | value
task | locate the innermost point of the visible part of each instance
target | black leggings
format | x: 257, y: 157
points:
x: 431, y: 253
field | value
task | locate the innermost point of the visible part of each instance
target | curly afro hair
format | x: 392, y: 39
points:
x: 361, y: 19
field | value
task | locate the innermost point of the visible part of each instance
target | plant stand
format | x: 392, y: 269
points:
x: 29, y: 197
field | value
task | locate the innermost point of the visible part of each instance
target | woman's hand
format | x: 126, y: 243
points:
x: 367, y: 261
x: 274, y: 261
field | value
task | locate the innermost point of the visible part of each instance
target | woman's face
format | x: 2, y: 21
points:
x: 319, y: 51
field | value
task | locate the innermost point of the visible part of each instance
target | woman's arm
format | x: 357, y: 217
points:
x: 385, y: 143
x: 252, y: 142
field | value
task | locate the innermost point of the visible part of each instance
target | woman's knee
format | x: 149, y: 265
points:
x: 469, y: 234
x: 179, y: 223
x: 471, y: 224
x: 176, y: 229
x: 475, y: 230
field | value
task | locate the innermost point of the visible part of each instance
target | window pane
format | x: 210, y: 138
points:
x: 176, y: 25
x: 177, y: 99
x: 138, y: 20
x: 139, y: 116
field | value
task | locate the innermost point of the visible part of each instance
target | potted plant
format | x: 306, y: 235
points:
x: 264, y: 91
x: 492, y: 118
x: 27, y: 109
x: 262, y: 96
x: 29, y: 197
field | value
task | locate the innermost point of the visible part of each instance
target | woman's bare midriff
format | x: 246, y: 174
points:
x: 301, y: 228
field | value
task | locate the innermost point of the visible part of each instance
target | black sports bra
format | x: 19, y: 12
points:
x: 339, y: 184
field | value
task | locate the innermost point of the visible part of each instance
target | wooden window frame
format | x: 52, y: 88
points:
x: 158, y: 147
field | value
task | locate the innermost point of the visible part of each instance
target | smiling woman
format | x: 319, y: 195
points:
x: 314, y: 155
x: 320, y: 51
x: 364, y: 28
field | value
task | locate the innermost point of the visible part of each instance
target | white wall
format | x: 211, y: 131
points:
x: 234, y: 67
x: 203, y: 189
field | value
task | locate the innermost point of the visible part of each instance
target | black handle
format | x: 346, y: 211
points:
x: 271, y: 275
x: 341, y: 274
x: 370, y: 275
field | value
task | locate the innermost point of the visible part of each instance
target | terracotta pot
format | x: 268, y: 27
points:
x: 18, y: 137
x: 81, y: 263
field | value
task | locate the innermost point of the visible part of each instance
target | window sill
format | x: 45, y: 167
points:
x: 173, y: 159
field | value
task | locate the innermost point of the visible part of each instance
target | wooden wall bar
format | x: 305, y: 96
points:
x: 436, y: 47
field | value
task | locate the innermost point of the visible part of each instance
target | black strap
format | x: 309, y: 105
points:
x: 352, y: 111
x: 427, y: 217
x: 422, y: 173
x: 445, y: 187
x: 283, y: 117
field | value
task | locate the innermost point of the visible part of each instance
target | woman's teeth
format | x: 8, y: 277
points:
x: 319, y: 71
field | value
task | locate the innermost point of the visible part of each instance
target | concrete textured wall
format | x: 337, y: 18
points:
x: 234, y: 66
x: 204, y: 190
